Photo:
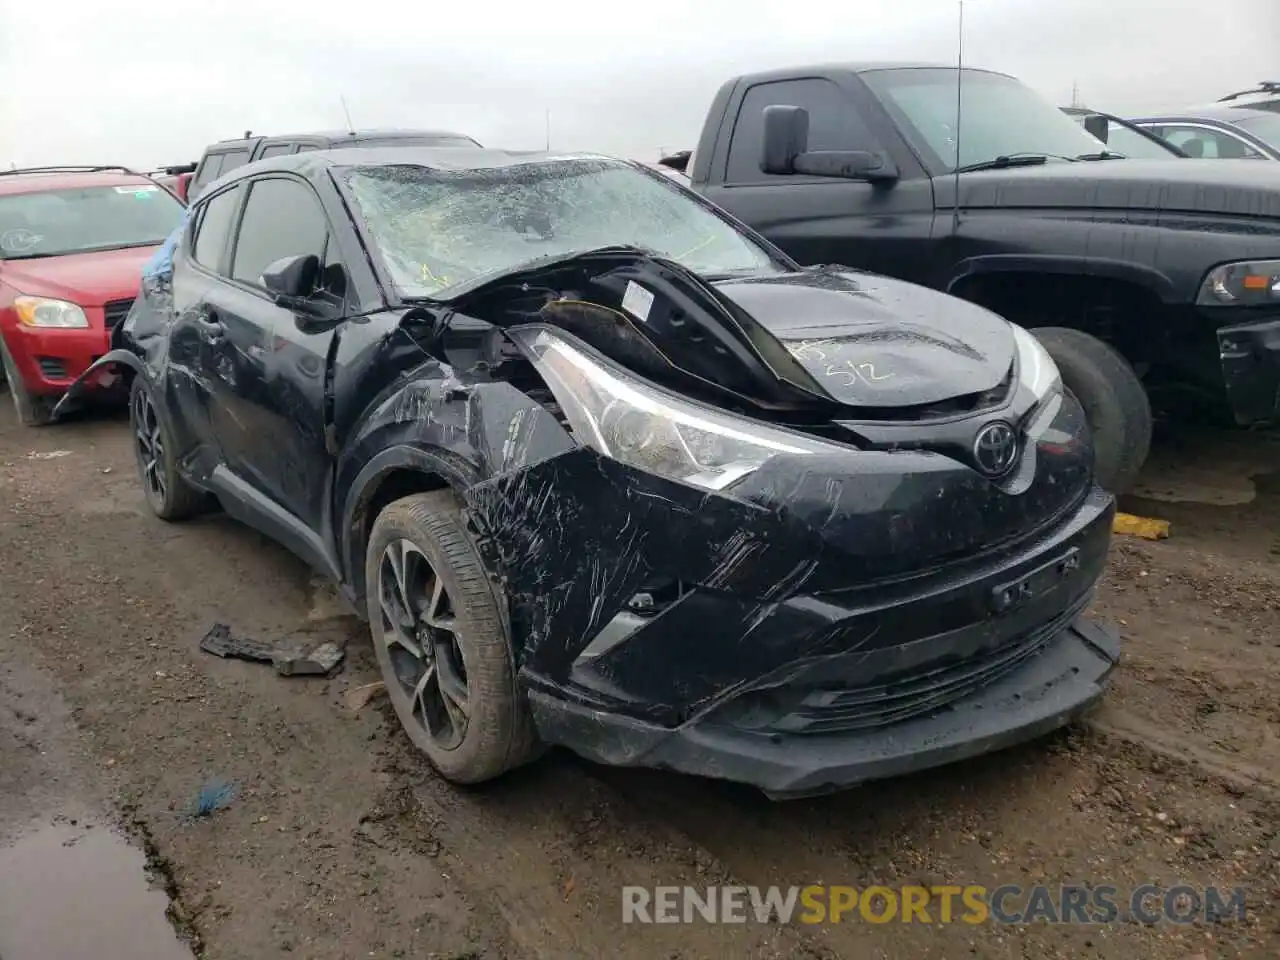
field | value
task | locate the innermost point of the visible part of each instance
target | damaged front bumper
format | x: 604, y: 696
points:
x: 831, y: 622
x: 1065, y: 675
x: 1250, y: 356
x: 961, y: 662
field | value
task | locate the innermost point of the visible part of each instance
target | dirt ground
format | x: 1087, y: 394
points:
x: 339, y: 842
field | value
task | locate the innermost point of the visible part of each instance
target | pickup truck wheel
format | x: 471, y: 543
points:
x: 441, y: 641
x: 1114, y: 401
x: 33, y: 410
x: 168, y: 495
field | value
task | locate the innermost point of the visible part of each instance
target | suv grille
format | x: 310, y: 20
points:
x: 115, y: 311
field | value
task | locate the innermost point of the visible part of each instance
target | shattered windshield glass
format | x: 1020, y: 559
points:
x: 435, y: 229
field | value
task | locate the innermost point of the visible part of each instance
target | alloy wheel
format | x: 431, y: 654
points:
x: 149, y: 443
x: 420, y: 632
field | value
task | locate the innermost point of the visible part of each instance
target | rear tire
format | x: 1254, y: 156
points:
x: 1114, y: 400
x: 33, y: 410
x: 168, y: 494
x: 433, y: 610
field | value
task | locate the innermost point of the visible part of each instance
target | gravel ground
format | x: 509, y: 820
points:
x: 339, y: 842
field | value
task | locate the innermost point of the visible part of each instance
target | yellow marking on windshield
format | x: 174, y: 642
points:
x: 710, y: 238
x: 429, y: 277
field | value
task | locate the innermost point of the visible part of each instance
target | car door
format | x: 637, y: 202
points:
x: 824, y: 220
x: 192, y: 383
x: 271, y: 428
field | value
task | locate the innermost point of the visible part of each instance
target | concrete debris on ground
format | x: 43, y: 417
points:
x: 290, y: 659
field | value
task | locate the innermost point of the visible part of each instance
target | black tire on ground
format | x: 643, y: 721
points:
x: 499, y: 732
x: 33, y: 410
x: 173, y: 498
x: 1114, y: 401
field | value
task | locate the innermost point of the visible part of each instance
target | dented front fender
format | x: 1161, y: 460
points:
x: 97, y: 375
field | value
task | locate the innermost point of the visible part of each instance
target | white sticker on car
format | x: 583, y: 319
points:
x: 637, y: 301
x: 139, y: 189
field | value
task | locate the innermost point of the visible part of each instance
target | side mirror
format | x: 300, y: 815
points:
x: 786, y: 151
x: 786, y: 136
x: 1098, y: 126
x: 292, y: 279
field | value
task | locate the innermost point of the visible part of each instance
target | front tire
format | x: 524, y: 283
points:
x: 33, y: 410
x: 1114, y: 401
x: 168, y: 494
x: 440, y: 638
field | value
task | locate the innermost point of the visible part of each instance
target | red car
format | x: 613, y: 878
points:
x: 73, y: 241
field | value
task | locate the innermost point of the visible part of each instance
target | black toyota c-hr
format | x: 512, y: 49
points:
x: 606, y: 469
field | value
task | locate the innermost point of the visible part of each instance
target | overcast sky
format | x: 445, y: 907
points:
x: 153, y: 83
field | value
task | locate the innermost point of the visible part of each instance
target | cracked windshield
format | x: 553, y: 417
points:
x: 436, y: 229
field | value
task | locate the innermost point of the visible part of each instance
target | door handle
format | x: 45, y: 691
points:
x: 211, y: 329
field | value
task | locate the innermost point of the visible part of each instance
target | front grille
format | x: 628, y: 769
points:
x: 115, y: 311
x: 52, y: 368
x: 850, y: 709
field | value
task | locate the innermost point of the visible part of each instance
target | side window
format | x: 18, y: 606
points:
x: 282, y: 218
x: 233, y: 159
x: 209, y: 170
x: 833, y: 123
x: 214, y: 227
x: 1207, y: 143
x: 276, y: 150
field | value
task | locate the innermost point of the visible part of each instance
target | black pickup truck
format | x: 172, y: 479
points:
x: 1150, y: 282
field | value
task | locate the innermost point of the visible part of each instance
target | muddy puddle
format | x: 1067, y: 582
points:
x: 74, y: 892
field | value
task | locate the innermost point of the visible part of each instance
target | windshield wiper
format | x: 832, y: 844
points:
x: 1013, y: 160
x: 1104, y: 155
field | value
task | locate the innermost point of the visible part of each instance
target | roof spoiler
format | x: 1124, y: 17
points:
x: 69, y: 169
x: 1266, y: 86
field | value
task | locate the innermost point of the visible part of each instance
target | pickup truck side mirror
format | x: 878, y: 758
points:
x: 786, y: 151
x: 292, y: 280
x: 1098, y: 126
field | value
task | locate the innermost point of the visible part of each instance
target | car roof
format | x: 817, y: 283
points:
x: 1220, y: 112
x: 864, y: 66
x: 37, y: 180
x: 336, y: 136
x: 436, y: 158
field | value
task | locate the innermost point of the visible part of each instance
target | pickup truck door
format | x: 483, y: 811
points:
x: 871, y: 226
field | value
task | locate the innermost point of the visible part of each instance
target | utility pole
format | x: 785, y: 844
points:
x: 547, y: 119
x: 1075, y: 94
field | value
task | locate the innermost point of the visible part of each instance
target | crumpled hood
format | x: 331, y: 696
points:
x: 872, y: 341
x: 86, y: 279
x: 820, y: 335
x: 1246, y: 188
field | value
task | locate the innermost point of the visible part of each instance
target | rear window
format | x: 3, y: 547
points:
x: 1264, y: 126
x: 57, y: 222
x: 233, y: 159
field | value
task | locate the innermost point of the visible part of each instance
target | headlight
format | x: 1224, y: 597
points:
x: 1037, y: 373
x: 1247, y: 283
x: 652, y: 429
x: 43, y: 312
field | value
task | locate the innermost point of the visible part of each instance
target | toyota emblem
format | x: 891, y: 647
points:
x: 995, y: 449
